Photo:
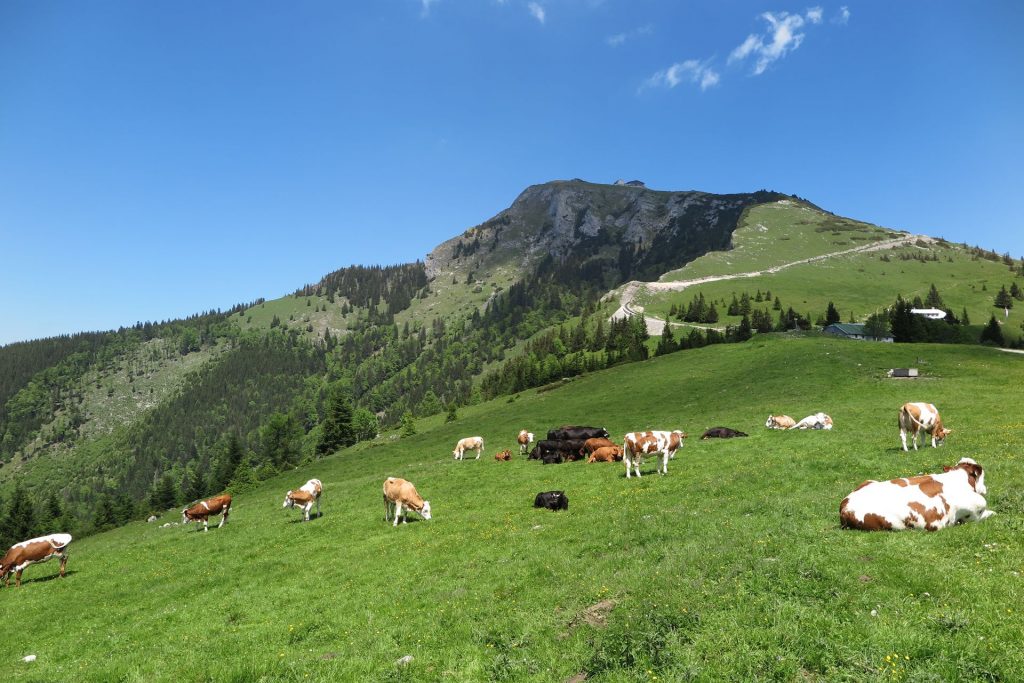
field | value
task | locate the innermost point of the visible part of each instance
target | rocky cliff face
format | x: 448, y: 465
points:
x: 610, y: 232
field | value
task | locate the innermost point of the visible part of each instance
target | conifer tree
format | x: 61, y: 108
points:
x: 20, y: 522
x: 667, y: 344
x: 964, y: 318
x: 992, y: 334
x: 452, y: 415
x: 408, y: 425
x: 103, y: 517
x: 744, y: 332
x: 337, y: 424
x: 933, y: 300
x: 832, y: 315
x: 1003, y: 298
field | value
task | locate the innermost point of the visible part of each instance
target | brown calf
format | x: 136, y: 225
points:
x: 504, y: 455
x: 606, y: 454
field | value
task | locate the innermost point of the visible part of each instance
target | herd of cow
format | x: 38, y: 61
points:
x: 930, y: 501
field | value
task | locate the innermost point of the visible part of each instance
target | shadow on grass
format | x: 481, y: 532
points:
x: 42, y: 579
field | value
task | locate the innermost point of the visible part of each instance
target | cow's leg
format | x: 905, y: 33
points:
x: 223, y: 518
x: 916, y: 432
x: 629, y: 463
x: 386, y: 509
x: 398, y: 511
x: 479, y: 450
x: 903, y: 439
x: 933, y: 440
x: 318, y: 513
x: 206, y: 526
x: 17, y: 578
x: 63, y: 564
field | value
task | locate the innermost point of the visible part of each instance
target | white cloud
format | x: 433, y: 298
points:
x: 620, y: 38
x: 843, y: 17
x: 537, y: 11
x: 691, y: 70
x: 782, y: 37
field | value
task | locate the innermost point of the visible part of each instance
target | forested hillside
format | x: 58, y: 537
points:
x: 99, y: 428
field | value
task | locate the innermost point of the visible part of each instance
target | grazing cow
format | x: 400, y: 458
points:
x: 505, y: 455
x: 591, y: 445
x: 468, y: 444
x: 816, y: 421
x: 921, y: 417
x: 606, y: 454
x: 400, y: 496
x: 305, y: 497
x: 218, y: 505
x: 779, y: 422
x: 638, y: 444
x: 552, y: 500
x: 524, y: 439
x: 34, y: 550
x: 721, y: 433
x: 930, y: 501
x: 568, y: 432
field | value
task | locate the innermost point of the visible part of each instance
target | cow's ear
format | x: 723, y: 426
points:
x: 946, y: 468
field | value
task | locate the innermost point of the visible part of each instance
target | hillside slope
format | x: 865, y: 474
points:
x: 730, y: 568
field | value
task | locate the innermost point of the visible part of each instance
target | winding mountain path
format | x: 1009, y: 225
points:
x: 655, y: 326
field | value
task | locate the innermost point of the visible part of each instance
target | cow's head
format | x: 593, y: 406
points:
x: 940, y: 434
x: 425, y: 512
x: 185, y: 519
x: 975, y: 474
x: 288, y: 502
x: 770, y: 422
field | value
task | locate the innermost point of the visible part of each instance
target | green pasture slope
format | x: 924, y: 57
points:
x: 733, y: 567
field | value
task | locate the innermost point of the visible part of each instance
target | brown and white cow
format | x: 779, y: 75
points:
x: 591, y: 445
x: 929, y: 501
x: 921, y: 417
x: 816, y: 421
x: 218, y: 505
x: 638, y: 444
x: 606, y: 454
x: 779, y: 422
x: 468, y: 444
x: 21, y: 555
x: 304, y: 498
x: 400, y: 494
x: 524, y: 440
x: 505, y: 455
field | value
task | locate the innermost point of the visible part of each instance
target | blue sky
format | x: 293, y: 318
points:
x: 159, y: 159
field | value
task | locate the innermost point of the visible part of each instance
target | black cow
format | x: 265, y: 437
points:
x: 552, y: 500
x: 534, y: 454
x: 721, y: 433
x: 582, y: 433
x: 552, y: 459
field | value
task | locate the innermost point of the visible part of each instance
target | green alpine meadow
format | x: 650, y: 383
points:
x: 731, y: 567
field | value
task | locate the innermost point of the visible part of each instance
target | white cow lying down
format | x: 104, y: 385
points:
x: 816, y: 421
x: 929, y: 501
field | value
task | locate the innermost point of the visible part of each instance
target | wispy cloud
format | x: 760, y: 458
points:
x: 537, y: 11
x: 621, y: 38
x: 843, y: 17
x: 784, y: 35
x: 691, y: 71
x: 426, y: 7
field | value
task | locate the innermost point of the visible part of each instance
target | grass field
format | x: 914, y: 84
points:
x: 732, y: 567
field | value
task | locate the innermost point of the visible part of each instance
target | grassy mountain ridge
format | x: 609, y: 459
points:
x: 732, y: 567
x: 159, y: 401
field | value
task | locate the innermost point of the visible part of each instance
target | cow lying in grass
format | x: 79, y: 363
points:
x: 591, y: 445
x: 21, y: 555
x: 930, y: 501
x: 721, y: 433
x: 921, y: 417
x: 816, y: 421
x: 779, y: 422
x: 218, y: 505
x: 305, y: 497
x: 552, y: 500
x: 606, y: 454
x: 505, y: 455
x: 400, y: 496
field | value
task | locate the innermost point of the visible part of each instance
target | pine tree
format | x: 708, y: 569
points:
x: 1003, y: 298
x: 337, y: 424
x: 734, y: 306
x: 103, y: 516
x: 712, y: 315
x: 1016, y: 291
x: 244, y: 477
x: 743, y: 332
x: 408, y: 425
x: 163, y: 494
x: 452, y: 415
x: 667, y: 344
x: 933, y: 300
x: 777, y: 305
x: 992, y: 334
x: 964, y: 318
x: 124, y: 508
x: 20, y: 522
x: 832, y: 315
